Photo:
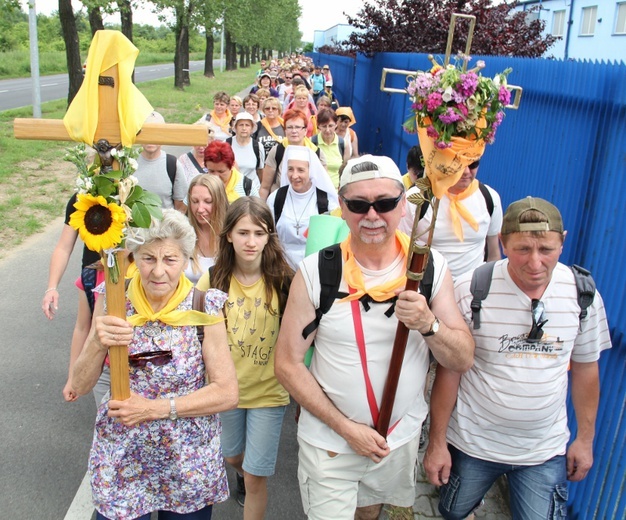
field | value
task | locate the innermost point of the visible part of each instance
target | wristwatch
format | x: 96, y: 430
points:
x: 173, y: 413
x: 434, y: 328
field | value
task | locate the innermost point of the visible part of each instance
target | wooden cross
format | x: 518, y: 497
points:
x: 108, y: 128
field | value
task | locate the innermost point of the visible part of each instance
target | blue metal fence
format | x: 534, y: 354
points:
x: 567, y: 144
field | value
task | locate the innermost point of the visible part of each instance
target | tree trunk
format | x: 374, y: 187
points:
x: 95, y: 20
x: 126, y: 15
x: 263, y: 54
x: 255, y: 53
x: 231, y: 52
x: 247, y: 57
x: 208, y: 54
x: 72, y: 48
x: 242, y: 57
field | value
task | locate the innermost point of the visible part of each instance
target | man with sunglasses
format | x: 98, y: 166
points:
x: 345, y: 466
x: 507, y: 415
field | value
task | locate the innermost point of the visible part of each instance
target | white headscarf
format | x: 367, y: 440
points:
x: 317, y: 173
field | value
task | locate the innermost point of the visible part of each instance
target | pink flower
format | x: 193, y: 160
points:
x: 433, y: 101
x: 432, y: 133
x: 442, y: 145
x: 504, y: 95
x: 469, y: 82
x: 449, y: 117
x: 462, y: 108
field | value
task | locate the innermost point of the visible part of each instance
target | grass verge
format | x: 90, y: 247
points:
x: 35, y: 181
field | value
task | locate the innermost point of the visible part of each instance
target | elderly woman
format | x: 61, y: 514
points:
x: 305, y: 190
x: 220, y: 117
x: 271, y: 131
x: 206, y: 209
x: 235, y: 105
x: 159, y: 450
x: 251, y: 105
x: 265, y: 81
x: 301, y: 102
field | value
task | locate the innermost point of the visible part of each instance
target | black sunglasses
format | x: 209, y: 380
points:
x: 362, y: 207
x: 474, y: 165
x: 157, y: 358
x: 537, y: 310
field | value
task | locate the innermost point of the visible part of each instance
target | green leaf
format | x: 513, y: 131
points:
x: 135, y: 195
x: 151, y: 199
x: 141, y: 215
x: 113, y: 175
x: 105, y: 186
x: 155, y: 211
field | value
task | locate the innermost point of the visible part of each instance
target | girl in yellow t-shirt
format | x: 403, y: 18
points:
x: 250, y: 266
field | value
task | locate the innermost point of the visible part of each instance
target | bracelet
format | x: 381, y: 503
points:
x: 51, y: 289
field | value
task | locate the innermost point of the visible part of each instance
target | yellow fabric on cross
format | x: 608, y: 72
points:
x: 108, y: 48
x: 354, y: 278
x: 456, y: 209
x: 168, y: 314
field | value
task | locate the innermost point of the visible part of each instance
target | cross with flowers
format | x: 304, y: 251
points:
x: 455, y: 113
x: 108, y: 113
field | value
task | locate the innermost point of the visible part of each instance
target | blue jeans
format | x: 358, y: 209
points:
x: 202, y: 514
x: 536, y: 492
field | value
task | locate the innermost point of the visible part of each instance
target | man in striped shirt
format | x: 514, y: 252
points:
x: 507, y: 414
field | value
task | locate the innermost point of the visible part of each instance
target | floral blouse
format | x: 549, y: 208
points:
x: 163, y: 464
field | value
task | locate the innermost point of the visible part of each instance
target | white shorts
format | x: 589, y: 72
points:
x: 334, y: 486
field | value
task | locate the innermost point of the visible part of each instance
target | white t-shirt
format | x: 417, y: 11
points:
x: 205, y: 262
x: 461, y: 256
x: 511, y: 404
x: 152, y: 176
x: 246, y: 159
x: 337, y: 368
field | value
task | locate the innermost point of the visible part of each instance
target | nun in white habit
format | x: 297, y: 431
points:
x: 306, y: 189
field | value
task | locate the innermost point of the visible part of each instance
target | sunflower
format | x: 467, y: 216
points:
x: 100, y: 225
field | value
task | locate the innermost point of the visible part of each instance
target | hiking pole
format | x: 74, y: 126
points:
x: 416, y: 265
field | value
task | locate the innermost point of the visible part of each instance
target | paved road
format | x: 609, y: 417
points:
x: 44, y: 440
x: 16, y: 93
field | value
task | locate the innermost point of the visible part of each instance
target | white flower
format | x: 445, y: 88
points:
x: 133, y: 164
x: 496, y: 80
x: 480, y: 64
x: 134, y: 180
x: 447, y: 94
x: 113, y: 152
x: 124, y: 188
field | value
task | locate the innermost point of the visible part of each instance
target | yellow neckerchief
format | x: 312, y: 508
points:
x: 168, y: 314
x: 456, y: 209
x: 224, y: 121
x: 267, y: 127
x: 231, y: 194
x: 354, y: 278
x: 306, y: 142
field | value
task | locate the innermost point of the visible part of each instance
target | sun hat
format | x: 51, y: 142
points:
x: 346, y: 112
x: 245, y: 116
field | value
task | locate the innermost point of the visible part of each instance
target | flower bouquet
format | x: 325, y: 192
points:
x: 110, y: 202
x: 455, y: 112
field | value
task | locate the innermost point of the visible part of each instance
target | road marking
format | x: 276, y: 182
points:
x: 1, y: 91
x: 82, y: 506
x: 50, y: 85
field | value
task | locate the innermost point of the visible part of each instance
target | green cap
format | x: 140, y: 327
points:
x: 511, y: 221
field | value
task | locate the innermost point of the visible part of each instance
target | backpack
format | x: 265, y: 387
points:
x: 481, y: 282
x: 247, y: 185
x: 342, y: 144
x: 330, y: 269
x: 281, y: 197
x: 255, y: 147
x: 488, y: 200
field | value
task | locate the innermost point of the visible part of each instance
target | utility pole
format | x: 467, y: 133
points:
x: 34, y: 58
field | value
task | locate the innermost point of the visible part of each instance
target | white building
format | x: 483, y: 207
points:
x: 335, y: 34
x: 589, y: 29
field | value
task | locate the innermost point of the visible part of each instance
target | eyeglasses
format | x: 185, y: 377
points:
x: 294, y: 128
x: 474, y: 165
x: 157, y: 358
x: 537, y: 310
x: 270, y: 108
x: 362, y: 207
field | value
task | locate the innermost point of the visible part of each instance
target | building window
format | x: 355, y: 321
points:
x: 620, y: 19
x: 558, y: 23
x: 588, y: 24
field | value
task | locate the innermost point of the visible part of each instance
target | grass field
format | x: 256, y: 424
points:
x: 35, y: 181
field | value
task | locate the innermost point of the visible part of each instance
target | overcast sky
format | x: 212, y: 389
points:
x: 316, y: 14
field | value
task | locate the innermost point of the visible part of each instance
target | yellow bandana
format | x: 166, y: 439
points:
x: 231, y: 194
x: 306, y: 142
x: 223, y: 122
x: 267, y: 127
x: 354, y: 278
x: 168, y: 314
x: 456, y: 209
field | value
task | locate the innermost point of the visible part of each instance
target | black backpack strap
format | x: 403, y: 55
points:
x: 247, y: 185
x: 488, y: 198
x: 342, y: 146
x: 322, y: 201
x: 279, y: 202
x: 280, y: 153
x: 257, y: 154
x: 426, y: 283
x: 170, y: 164
x: 479, y: 287
x: 586, y: 289
x: 229, y: 140
x: 330, y: 271
x: 314, y: 139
